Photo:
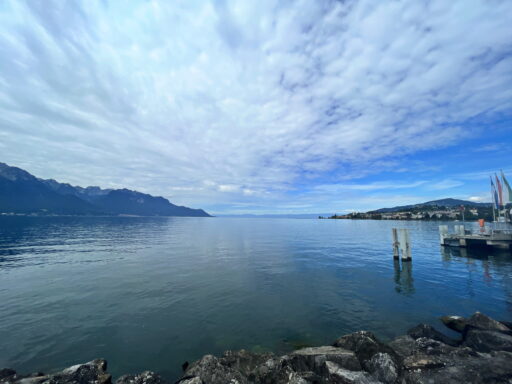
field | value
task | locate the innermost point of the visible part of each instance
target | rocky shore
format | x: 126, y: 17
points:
x: 482, y: 354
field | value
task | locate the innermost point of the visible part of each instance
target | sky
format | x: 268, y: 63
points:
x: 260, y: 106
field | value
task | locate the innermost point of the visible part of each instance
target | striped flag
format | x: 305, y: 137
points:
x: 494, y: 194
x: 500, y: 191
x: 507, y: 191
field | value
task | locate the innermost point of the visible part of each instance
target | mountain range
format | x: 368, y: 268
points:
x: 449, y: 203
x: 21, y: 192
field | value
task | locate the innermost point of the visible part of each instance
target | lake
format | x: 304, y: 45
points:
x: 151, y: 293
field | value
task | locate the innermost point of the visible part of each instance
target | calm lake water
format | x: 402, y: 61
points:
x: 150, y: 293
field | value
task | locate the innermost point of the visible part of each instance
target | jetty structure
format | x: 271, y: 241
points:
x: 498, y: 234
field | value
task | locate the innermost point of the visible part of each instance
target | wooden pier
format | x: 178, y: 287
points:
x: 495, y: 238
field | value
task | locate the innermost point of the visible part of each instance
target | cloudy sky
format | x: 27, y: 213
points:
x: 260, y: 106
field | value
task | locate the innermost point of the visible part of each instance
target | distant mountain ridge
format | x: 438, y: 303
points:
x: 21, y: 192
x: 448, y: 202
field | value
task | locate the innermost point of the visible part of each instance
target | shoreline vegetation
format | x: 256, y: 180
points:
x: 481, y: 354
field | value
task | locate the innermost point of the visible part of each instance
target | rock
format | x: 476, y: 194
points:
x: 313, y: 359
x: 457, y: 323
x: 211, y: 371
x: 146, y: 377
x: 416, y: 362
x: 487, y: 341
x: 93, y: 372
x: 336, y: 374
x: 432, y: 347
x: 404, y: 345
x: 383, y: 368
x: 425, y: 330
x: 480, y: 321
x: 487, y: 368
x: 244, y: 361
x: 279, y: 371
x: 364, y: 344
x: 190, y: 380
x: 6, y: 373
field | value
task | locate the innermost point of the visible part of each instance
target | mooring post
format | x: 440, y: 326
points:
x: 396, y: 244
x: 462, y: 230
x: 405, y: 244
x: 443, y: 231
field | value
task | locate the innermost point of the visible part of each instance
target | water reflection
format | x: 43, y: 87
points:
x: 488, y: 265
x: 404, y: 283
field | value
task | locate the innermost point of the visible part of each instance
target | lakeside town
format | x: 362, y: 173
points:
x: 423, y: 212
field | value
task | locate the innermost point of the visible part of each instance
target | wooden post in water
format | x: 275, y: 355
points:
x: 443, y: 231
x: 405, y: 244
x: 396, y: 244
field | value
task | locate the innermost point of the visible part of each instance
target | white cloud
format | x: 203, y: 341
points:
x: 478, y: 199
x: 192, y: 99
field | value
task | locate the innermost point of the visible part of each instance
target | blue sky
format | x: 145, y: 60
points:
x: 260, y: 107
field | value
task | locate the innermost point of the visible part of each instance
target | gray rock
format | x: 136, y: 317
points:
x: 336, y: 374
x: 404, y: 346
x: 480, y: 321
x: 211, y: 371
x: 383, y: 368
x: 93, y: 372
x: 279, y: 371
x: 457, y: 323
x: 244, y: 361
x: 146, y: 377
x: 487, y: 341
x: 6, y: 373
x: 425, y: 330
x: 192, y: 380
x: 486, y: 368
x: 313, y: 359
x: 364, y: 344
x: 432, y: 347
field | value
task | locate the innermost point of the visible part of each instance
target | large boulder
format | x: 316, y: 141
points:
x: 280, y: 371
x: 313, y: 359
x: 211, y: 371
x: 244, y: 361
x: 425, y: 330
x: 364, y: 344
x: 403, y: 346
x: 480, y: 321
x: 93, y: 372
x: 339, y: 375
x: 383, y: 368
x: 487, y: 341
x: 146, y: 377
x: 486, y: 368
x: 7, y: 373
x: 456, y: 323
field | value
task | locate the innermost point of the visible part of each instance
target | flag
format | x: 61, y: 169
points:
x: 500, y: 191
x: 494, y: 194
x: 507, y: 191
